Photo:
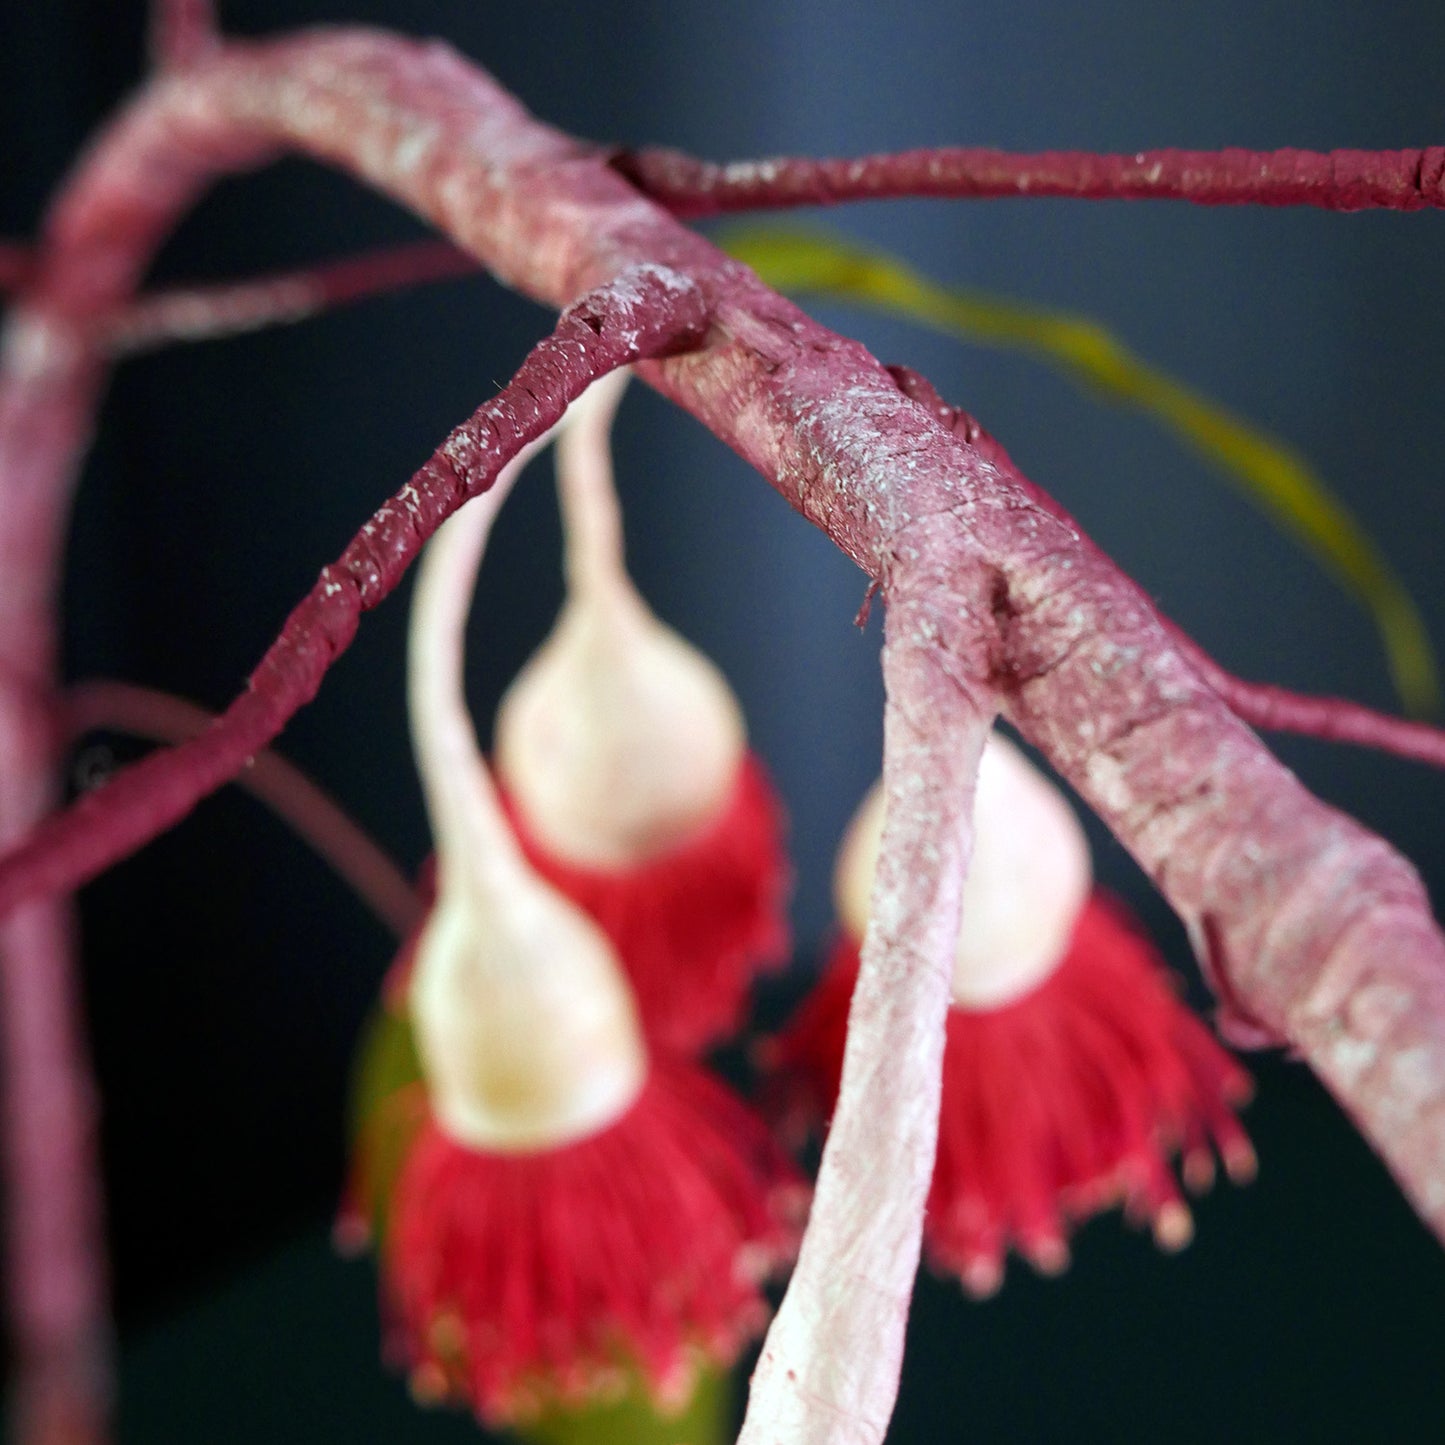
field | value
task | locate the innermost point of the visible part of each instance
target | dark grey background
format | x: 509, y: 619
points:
x: 228, y: 971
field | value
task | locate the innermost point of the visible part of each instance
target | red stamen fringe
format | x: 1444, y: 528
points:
x: 694, y: 925
x: 518, y: 1281
x: 1055, y: 1107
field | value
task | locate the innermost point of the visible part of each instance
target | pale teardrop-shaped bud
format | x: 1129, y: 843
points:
x: 527, y: 1031
x: 618, y: 739
x: 1028, y: 879
x: 526, y: 1027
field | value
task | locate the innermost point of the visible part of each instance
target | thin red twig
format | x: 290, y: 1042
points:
x: 1343, y: 180
x: 1332, y: 719
x: 314, y: 815
x: 203, y: 313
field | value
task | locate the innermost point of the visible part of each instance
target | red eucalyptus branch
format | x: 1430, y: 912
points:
x: 314, y: 815
x: 1313, y: 930
x: 1344, y: 180
x: 210, y: 312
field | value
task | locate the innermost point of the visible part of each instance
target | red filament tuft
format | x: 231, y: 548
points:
x: 519, y: 1280
x: 694, y: 924
x: 1060, y: 1104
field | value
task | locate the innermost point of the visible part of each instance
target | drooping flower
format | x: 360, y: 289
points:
x: 1073, y: 1072
x: 622, y: 754
x: 559, y: 1211
x: 636, y: 1364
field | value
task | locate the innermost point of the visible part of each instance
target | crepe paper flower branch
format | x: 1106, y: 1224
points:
x: 212, y: 312
x: 1332, y: 719
x: 1268, y: 470
x: 1312, y: 930
x: 649, y: 310
x: 207, y: 313
x: 1265, y: 468
x: 830, y: 1363
x: 1072, y: 1070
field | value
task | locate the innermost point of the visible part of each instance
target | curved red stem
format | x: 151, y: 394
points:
x: 1343, y: 180
x: 202, y: 313
x: 1332, y: 719
x: 313, y: 814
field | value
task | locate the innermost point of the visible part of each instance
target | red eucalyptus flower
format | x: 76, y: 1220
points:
x: 1072, y: 1070
x: 623, y: 757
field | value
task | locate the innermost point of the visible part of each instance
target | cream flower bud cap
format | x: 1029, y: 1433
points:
x: 1028, y: 879
x: 527, y: 1031
x: 618, y: 739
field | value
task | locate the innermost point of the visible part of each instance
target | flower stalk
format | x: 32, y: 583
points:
x: 831, y: 1360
